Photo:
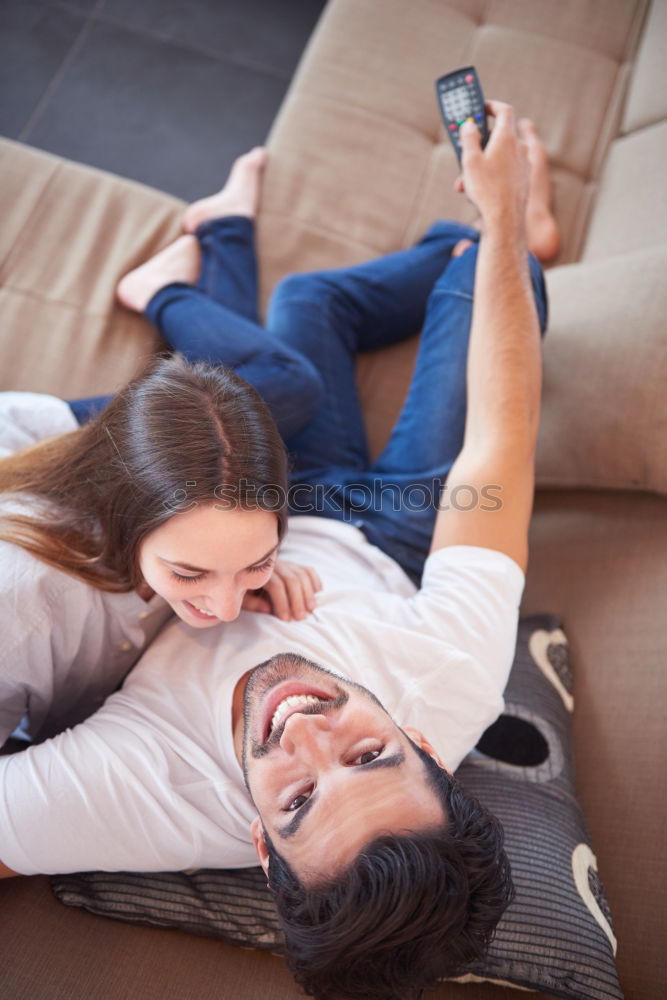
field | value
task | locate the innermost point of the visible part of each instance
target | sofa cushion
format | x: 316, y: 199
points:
x: 604, y: 411
x: 67, y: 237
x: 556, y: 936
x: 647, y: 98
x: 631, y: 206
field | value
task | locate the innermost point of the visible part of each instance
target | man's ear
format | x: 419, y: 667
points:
x: 258, y: 839
x: 418, y: 737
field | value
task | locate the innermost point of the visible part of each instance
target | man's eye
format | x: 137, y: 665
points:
x: 299, y: 801
x: 366, y: 757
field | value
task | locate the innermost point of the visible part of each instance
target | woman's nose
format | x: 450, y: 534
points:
x: 226, y: 602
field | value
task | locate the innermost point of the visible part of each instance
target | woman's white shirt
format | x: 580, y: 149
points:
x: 65, y: 645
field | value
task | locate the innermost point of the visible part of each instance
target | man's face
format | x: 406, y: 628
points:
x: 327, y: 768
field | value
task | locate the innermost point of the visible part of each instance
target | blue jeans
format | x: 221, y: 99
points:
x: 303, y: 363
x: 330, y: 316
x: 217, y: 321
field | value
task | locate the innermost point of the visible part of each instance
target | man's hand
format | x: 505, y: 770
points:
x: 504, y: 358
x: 496, y: 179
x: 289, y: 594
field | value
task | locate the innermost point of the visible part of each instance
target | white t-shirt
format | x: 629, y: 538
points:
x: 64, y: 645
x: 151, y: 781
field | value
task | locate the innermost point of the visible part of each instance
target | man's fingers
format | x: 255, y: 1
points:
x: 257, y: 601
x: 277, y: 592
x: 315, y: 583
x: 470, y: 138
x: 459, y: 186
x: 296, y: 596
x: 505, y: 116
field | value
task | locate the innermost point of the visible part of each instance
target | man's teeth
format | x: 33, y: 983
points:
x: 287, y: 704
x: 209, y: 614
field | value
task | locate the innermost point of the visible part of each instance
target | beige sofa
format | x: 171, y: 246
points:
x: 360, y: 166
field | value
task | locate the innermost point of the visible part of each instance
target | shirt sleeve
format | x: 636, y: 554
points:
x: 470, y: 597
x: 28, y: 417
x: 105, y: 795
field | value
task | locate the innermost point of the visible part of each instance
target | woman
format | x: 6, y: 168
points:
x: 172, y: 498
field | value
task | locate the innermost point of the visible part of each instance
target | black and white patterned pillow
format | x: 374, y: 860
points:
x: 556, y: 936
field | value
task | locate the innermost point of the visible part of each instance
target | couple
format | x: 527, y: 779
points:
x: 386, y: 876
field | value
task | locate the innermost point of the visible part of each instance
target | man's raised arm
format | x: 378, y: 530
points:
x: 504, y: 358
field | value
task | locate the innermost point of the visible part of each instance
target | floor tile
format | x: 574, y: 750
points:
x: 155, y: 111
x: 87, y: 6
x: 36, y: 38
x: 265, y: 34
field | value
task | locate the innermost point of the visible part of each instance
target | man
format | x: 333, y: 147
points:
x: 385, y: 874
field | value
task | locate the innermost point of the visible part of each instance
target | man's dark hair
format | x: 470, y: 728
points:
x: 409, y: 910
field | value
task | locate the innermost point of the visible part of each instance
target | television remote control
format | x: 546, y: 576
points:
x: 460, y: 97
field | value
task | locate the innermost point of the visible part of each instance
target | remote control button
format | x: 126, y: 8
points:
x: 470, y: 78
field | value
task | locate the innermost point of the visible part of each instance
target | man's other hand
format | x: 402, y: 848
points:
x: 290, y: 593
x: 495, y: 179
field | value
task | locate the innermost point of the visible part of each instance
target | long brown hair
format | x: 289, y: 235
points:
x: 179, y: 435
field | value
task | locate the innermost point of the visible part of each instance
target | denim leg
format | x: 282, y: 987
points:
x: 203, y: 330
x: 88, y: 408
x: 216, y: 321
x: 229, y: 264
x: 407, y: 479
x: 329, y: 317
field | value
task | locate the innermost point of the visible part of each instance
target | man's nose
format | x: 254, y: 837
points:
x: 308, y: 736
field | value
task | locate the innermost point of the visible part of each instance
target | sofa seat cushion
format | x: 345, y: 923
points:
x: 631, y: 205
x: 68, y: 235
x: 604, y: 408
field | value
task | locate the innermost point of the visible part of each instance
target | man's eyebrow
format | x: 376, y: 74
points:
x: 294, y: 824
x: 393, y: 760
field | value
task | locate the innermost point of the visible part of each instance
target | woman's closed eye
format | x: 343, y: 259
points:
x: 262, y: 567
x: 187, y: 579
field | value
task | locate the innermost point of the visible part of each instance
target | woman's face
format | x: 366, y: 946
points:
x: 204, y: 560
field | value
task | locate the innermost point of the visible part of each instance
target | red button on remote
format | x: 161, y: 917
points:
x: 469, y: 78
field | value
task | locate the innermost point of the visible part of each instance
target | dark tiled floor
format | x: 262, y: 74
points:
x: 162, y: 91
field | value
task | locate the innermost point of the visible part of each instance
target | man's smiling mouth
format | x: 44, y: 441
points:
x: 288, y: 706
x: 287, y: 698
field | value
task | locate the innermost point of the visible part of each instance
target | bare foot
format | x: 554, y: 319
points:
x: 541, y: 226
x: 239, y: 196
x: 461, y: 247
x: 180, y: 261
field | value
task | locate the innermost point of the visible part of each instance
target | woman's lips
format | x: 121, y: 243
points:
x: 199, y: 614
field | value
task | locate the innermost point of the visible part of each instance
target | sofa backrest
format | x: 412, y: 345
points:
x: 362, y: 162
x: 630, y: 210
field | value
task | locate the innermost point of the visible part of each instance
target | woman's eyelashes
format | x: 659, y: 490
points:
x: 187, y: 579
x: 262, y: 567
